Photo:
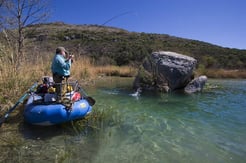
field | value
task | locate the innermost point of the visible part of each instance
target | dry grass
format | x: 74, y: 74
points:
x: 222, y: 73
x: 84, y: 68
x: 123, y: 71
x: 13, y: 84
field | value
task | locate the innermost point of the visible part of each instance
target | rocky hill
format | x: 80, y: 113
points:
x: 118, y: 46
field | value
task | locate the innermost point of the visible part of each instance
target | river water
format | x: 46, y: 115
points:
x: 203, y: 127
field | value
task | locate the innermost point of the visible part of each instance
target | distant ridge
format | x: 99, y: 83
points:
x: 122, y: 47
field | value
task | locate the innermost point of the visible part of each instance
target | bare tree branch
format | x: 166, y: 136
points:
x: 17, y: 14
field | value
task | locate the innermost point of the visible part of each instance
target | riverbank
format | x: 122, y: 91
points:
x: 14, y: 83
x: 224, y: 74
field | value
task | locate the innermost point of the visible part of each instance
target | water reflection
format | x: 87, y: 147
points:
x: 41, y: 132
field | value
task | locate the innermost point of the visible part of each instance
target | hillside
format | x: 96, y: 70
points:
x: 117, y: 46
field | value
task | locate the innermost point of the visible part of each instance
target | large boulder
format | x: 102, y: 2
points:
x: 165, y: 71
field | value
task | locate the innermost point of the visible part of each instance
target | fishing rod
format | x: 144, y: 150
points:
x: 106, y: 22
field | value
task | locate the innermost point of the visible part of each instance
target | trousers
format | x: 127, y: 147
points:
x: 58, y: 83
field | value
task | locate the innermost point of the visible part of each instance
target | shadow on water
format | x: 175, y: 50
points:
x: 75, y: 128
x: 40, y: 132
x: 68, y: 142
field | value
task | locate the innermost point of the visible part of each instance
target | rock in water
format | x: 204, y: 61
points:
x: 165, y: 71
x: 196, y: 85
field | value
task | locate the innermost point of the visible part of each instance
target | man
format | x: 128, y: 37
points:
x: 60, y: 67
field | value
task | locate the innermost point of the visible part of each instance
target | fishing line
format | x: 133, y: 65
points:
x: 117, y: 16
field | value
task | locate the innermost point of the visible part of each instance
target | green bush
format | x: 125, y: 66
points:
x: 125, y: 47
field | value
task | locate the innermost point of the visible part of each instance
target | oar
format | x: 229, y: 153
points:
x: 90, y: 100
x: 2, y: 120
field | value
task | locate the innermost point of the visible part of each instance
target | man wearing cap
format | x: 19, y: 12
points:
x: 60, y: 67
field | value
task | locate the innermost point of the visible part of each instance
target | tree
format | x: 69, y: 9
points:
x: 15, y: 15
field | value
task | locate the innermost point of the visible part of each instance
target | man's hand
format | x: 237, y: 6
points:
x: 71, y: 57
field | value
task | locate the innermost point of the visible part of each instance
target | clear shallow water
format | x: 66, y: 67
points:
x: 205, y: 127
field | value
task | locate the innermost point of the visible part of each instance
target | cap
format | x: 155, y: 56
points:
x: 59, y: 49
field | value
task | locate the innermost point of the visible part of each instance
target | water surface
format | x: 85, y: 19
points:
x: 203, y: 127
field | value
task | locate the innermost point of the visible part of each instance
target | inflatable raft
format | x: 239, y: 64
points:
x: 43, y: 109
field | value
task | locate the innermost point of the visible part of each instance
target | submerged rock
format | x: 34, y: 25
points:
x: 165, y: 71
x: 196, y: 85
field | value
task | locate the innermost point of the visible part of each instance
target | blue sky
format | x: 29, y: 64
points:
x: 220, y: 22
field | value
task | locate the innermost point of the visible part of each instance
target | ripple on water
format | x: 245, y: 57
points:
x: 203, y: 127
